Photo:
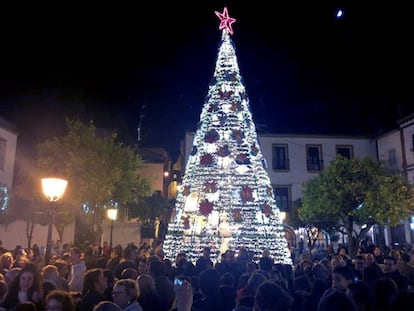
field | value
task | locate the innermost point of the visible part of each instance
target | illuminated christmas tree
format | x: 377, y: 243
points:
x: 226, y: 200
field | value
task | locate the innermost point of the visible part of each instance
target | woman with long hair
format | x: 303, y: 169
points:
x: 25, y: 287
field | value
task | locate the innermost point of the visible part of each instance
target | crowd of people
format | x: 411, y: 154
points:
x: 139, y: 277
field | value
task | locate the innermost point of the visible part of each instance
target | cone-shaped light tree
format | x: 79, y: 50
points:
x: 226, y: 200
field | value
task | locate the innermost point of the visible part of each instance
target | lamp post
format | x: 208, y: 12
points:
x: 112, y: 214
x: 53, y: 189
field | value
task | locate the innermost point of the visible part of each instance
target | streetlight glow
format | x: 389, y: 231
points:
x: 53, y: 188
x: 112, y: 213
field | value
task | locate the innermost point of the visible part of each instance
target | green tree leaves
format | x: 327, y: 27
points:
x: 356, y: 194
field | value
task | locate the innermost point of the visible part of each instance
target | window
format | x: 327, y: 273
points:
x: 392, y: 158
x: 282, y: 198
x: 314, y: 157
x: 3, y: 144
x: 345, y: 150
x: 280, y: 157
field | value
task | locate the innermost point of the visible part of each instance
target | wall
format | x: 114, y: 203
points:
x: 155, y: 174
x: 15, y: 234
x: 6, y: 175
x: 124, y: 232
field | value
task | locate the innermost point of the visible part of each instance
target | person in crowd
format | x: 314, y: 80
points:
x: 406, y: 266
x: 26, y: 306
x: 343, y: 252
x: 77, y: 270
x: 18, y: 253
x: 110, y: 278
x: 227, y: 279
x: 114, y: 258
x: 183, y: 293
x: 362, y: 295
x: 228, y: 264
x: 129, y: 260
x: 372, y: 264
x: 163, y: 286
x: 158, y: 250
x: 148, y: 298
x: 25, y: 287
x: 227, y: 297
x: 6, y: 262
x: 106, y: 251
x: 22, y: 262
x: 106, y: 306
x: 142, y: 266
x: 338, y: 301
x: 63, y: 271
x: 204, y: 261
x: 245, y: 295
x: 125, y: 295
x: 321, y: 282
x: 359, y: 266
x: 242, y: 259
x: 94, y: 288
x: 391, y: 271
x: 386, y: 294
x: 11, y: 275
x: 4, y: 288
x: 209, y: 282
x: 342, y: 277
x: 337, y: 260
x: 59, y: 300
x: 90, y: 259
x: 50, y: 277
x: 378, y: 254
x: 272, y: 297
x: 129, y: 273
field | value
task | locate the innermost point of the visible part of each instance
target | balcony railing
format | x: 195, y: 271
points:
x: 281, y: 164
x: 314, y: 165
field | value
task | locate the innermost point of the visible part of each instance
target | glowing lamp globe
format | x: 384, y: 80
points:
x: 53, y: 188
x: 112, y: 213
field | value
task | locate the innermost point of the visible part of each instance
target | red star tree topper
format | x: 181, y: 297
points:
x: 225, y: 20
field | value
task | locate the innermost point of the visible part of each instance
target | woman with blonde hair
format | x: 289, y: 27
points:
x: 6, y: 262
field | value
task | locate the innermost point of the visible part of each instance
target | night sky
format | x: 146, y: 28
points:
x: 305, y: 70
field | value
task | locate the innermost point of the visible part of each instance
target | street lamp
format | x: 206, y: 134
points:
x: 112, y: 214
x: 53, y: 189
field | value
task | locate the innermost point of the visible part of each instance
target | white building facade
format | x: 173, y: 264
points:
x: 292, y: 159
x: 396, y: 150
x: 8, y: 144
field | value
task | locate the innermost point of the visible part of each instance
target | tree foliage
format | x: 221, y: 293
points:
x: 98, y: 168
x: 150, y: 208
x: 312, y: 228
x: 355, y: 194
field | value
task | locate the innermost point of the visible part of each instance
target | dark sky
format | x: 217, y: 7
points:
x: 305, y: 70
